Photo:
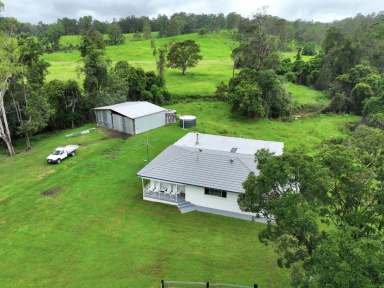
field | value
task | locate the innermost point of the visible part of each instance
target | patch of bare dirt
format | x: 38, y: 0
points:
x: 51, y: 192
x: 116, y: 134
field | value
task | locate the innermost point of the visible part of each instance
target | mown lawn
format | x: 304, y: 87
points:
x: 305, y: 133
x: 96, y: 231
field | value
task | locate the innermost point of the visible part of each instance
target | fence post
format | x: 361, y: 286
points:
x: 162, y: 284
x: 207, y: 284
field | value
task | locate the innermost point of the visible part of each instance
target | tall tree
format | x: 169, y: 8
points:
x: 65, y: 99
x: 85, y: 24
x: 258, y: 94
x: 115, y: 35
x: 51, y: 37
x: 183, y: 55
x: 92, y: 50
x: 146, y: 28
x: 324, y: 210
x: 160, y: 55
x: 257, y: 49
x: 233, y: 20
x: 30, y: 104
x: 9, y: 55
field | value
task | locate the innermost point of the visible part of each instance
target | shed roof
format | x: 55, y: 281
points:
x: 202, y: 167
x: 134, y: 109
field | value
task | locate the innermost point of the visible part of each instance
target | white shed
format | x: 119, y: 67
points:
x: 131, y: 117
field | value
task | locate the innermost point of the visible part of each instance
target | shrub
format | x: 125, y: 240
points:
x: 291, y: 77
x: 258, y: 94
x: 376, y: 120
x: 309, y: 49
x: 222, y: 91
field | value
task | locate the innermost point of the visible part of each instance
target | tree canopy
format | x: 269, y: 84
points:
x: 114, y: 34
x: 183, y: 55
x: 324, y: 209
x: 258, y: 94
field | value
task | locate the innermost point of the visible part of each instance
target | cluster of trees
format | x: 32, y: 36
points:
x: 257, y: 91
x: 257, y: 94
x: 28, y: 104
x: 324, y: 211
x: 349, y: 66
x: 120, y: 83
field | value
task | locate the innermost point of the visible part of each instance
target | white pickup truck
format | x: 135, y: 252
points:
x: 61, y: 153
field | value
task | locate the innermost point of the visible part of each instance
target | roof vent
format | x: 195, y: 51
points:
x: 231, y: 160
x: 234, y: 150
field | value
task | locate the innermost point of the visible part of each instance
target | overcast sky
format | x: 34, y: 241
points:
x: 318, y: 10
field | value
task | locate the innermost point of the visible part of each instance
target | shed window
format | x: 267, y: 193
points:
x: 215, y: 192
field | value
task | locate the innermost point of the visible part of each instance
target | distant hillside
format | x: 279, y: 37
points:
x: 202, y: 80
x: 216, y: 65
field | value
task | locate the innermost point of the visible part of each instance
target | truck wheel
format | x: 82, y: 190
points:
x: 58, y: 161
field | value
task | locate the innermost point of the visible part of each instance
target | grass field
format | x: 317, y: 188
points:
x: 96, y: 231
x: 305, y: 133
x: 202, y: 80
x: 215, y: 67
x: 292, y: 55
x: 307, y: 98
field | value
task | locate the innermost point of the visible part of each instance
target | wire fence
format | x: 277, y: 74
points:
x: 191, y: 284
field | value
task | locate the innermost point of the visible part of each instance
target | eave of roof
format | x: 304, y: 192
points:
x: 134, y: 109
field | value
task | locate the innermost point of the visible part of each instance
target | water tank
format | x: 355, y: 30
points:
x: 187, y: 121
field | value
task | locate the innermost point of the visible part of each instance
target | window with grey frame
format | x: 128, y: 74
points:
x: 215, y: 192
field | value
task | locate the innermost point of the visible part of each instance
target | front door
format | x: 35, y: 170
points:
x: 181, y: 192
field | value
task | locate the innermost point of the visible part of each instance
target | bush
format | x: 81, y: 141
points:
x: 373, y: 105
x: 258, y: 94
x: 340, y: 103
x: 221, y: 92
x: 376, y: 120
x: 291, y: 77
x: 309, y: 49
x: 203, y: 31
x: 284, y: 67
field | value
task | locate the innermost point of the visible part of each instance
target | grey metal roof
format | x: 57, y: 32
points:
x: 225, y: 143
x: 201, y: 167
x: 134, y: 109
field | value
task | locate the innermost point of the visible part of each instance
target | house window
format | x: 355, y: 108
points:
x: 215, y: 192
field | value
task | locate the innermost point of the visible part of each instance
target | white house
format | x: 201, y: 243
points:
x: 203, y: 172
x: 133, y: 117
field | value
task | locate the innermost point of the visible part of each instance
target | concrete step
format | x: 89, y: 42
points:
x: 185, y: 207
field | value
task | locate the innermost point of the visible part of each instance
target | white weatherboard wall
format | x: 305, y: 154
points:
x: 196, y: 196
x: 149, y: 122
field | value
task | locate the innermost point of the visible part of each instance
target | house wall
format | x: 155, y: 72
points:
x: 149, y: 122
x: 196, y: 196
